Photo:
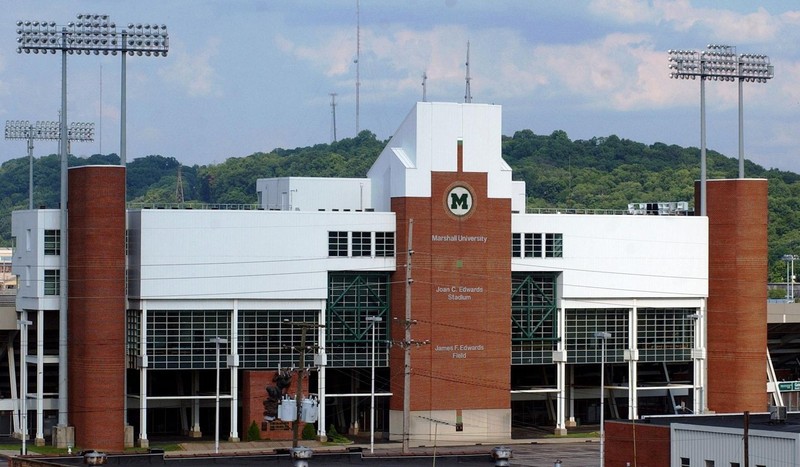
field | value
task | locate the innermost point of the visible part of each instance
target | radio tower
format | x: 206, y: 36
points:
x: 357, y: 61
x: 468, y: 93
x: 333, y: 114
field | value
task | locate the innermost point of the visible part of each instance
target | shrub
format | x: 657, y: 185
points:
x: 254, y: 432
x: 309, y: 432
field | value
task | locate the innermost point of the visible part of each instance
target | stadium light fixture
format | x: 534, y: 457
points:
x: 90, y: 34
x: 44, y: 130
x: 718, y: 63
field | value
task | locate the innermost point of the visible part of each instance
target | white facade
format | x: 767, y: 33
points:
x: 279, y: 258
x: 620, y: 257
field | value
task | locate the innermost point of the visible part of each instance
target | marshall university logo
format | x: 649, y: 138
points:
x: 459, y: 200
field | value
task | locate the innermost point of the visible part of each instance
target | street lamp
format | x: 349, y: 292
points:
x: 720, y: 63
x: 91, y: 34
x: 374, y: 320
x: 23, y: 129
x: 23, y: 380
x: 789, y: 276
x: 217, y: 341
x: 603, y: 336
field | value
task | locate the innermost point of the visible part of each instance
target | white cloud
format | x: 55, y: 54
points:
x: 193, y: 70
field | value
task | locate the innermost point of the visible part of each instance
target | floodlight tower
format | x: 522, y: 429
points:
x: 91, y: 34
x: 719, y: 63
x: 42, y: 130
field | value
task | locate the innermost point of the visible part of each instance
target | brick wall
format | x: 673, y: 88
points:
x: 96, y: 319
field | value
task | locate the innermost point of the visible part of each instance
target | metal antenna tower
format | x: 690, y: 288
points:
x: 468, y: 93
x: 358, y: 62
x: 424, y: 86
x: 333, y: 114
x: 179, y: 187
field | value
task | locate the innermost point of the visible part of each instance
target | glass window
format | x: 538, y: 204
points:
x: 554, y: 245
x: 52, y: 242
x: 52, y: 278
x: 384, y: 244
x: 685, y: 462
x: 537, y: 245
x: 529, y: 245
x: 516, y: 245
x: 337, y: 243
x: 362, y: 243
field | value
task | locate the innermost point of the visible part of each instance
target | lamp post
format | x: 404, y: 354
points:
x: 789, y: 276
x: 374, y: 320
x: 23, y: 379
x: 602, y: 336
x: 720, y: 63
x: 91, y: 34
x: 217, y: 341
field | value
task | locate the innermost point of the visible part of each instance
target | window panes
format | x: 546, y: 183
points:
x: 52, y: 282
x: 337, y: 243
x: 52, y: 242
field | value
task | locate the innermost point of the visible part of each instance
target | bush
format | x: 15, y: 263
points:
x: 335, y: 437
x: 254, y: 432
x: 309, y: 432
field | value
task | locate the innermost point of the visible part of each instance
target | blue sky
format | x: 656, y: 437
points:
x: 251, y: 75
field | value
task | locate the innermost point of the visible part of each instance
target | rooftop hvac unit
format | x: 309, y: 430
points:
x: 777, y: 414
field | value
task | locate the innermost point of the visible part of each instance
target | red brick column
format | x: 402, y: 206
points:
x: 96, y: 306
x: 737, y: 295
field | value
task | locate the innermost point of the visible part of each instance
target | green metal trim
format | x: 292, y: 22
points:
x: 548, y: 311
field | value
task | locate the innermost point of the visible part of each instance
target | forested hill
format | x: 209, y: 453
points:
x: 600, y: 173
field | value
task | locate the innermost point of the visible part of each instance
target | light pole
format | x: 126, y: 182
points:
x: 603, y: 336
x: 91, y: 34
x: 720, y: 63
x: 789, y: 276
x: 43, y: 130
x: 23, y: 379
x: 374, y: 320
x: 217, y: 341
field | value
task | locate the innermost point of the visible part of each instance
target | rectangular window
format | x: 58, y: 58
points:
x: 554, y: 245
x: 685, y: 462
x: 709, y: 463
x: 52, y: 242
x: 362, y: 243
x: 528, y: 253
x: 337, y: 243
x: 384, y: 244
x: 28, y: 240
x: 516, y: 245
x: 52, y: 279
x: 537, y: 245
x: 734, y: 464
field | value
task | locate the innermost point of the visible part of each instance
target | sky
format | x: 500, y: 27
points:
x: 245, y: 76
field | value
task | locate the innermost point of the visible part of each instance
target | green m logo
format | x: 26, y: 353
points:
x: 459, y: 201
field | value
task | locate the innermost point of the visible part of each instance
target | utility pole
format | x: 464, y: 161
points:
x: 298, y: 397
x: 424, y: 86
x: 407, y: 342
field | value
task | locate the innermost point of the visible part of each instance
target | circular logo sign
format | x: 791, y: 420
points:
x: 459, y: 201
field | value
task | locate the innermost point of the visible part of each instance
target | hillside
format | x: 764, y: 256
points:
x: 600, y: 173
